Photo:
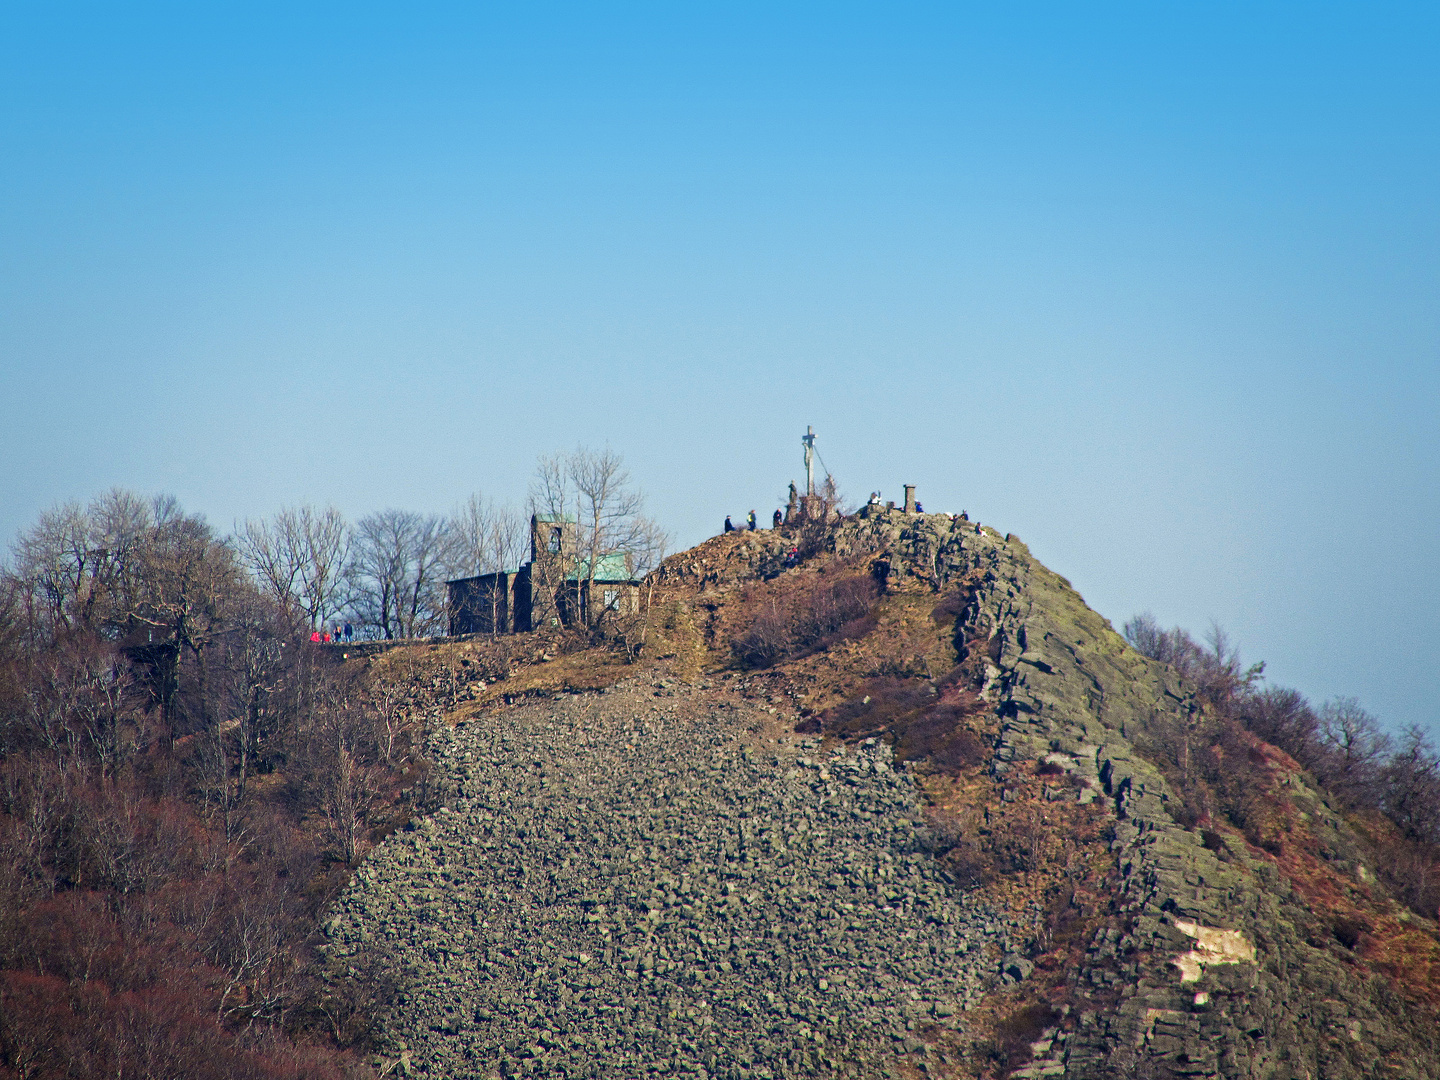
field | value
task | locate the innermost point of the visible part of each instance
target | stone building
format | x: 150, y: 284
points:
x: 553, y: 588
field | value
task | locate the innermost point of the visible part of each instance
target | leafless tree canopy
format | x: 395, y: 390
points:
x: 300, y: 555
x: 81, y: 568
x: 484, y: 538
x: 1215, y: 666
x: 397, y: 573
x: 1345, y: 748
x: 157, y: 901
x: 594, y: 489
x: 134, y: 575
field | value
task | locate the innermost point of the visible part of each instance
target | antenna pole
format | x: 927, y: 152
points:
x: 808, y: 440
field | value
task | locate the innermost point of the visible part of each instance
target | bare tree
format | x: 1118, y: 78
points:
x: 658, y: 543
x: 253, y: 669
x: 397, y: 572
x: 1358, y: 747
x: 552, y: 499
x: 552, y: 488
x: 79, y: 568
x: 300, y: 557
x: 1214, y: 667
x: 54, y: 559
x: 335, y: 745
x: 595, y: 489
x: 191, y: 586
x: 1410, y: 786
x: 609, y: 516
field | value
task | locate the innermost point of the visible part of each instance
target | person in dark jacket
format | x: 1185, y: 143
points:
x: 751, y: 520
x: 779, y: 518
x: 728, y: 526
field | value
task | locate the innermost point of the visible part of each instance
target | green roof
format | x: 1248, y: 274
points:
x: 607, y: 568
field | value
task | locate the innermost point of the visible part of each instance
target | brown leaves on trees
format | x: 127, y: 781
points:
x: 1210, y: 755
x: 183, y: 782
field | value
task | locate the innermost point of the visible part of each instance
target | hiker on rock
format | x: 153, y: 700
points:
x: 728, y: 526
x: 779, y: 517
x: 751, y: 520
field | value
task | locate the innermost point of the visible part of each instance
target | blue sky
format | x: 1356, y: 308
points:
x: 1153, y: 286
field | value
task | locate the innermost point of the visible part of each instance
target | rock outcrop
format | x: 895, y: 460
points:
x: 1222, y: 970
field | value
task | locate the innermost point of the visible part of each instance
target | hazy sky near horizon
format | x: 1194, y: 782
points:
x: 1152, y: 286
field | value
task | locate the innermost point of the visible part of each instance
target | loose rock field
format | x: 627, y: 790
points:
x: 624, y: 884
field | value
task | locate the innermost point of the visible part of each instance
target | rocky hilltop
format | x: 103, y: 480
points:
x: 1225, y: 964
x: 901, y: 805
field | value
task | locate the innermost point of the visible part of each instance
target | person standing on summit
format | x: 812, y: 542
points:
x: 751, y: 519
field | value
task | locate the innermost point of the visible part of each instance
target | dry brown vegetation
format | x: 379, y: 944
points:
x: 185, y: 782
x: 1223, y: 760
x: 1260, y: 768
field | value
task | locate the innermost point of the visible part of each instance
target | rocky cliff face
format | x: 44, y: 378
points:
x: 1222, y: 968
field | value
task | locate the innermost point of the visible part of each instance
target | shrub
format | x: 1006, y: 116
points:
x: 950, y: 608
x: 938, y: 736
x: 809, y: 619
x: 1347, y: 930
x: 1014, y: 1033
x: 876, y: 707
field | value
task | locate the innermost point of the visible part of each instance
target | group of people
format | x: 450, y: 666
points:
x: 779, y: 519
x: 324, y: 637
x: 792, y: 554
x: 752, y: 524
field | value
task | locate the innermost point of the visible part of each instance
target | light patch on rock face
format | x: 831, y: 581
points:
x: 1150, y: 1018
x: 1211, y: 947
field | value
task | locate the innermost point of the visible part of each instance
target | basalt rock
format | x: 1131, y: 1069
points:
x: 1217, y: 975
x: 617, y: 889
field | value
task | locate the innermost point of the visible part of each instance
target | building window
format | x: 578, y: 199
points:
x: 612, y: 598
x: 555, y: 540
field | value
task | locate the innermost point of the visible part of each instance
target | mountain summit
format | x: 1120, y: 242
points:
x: 881, y: 797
